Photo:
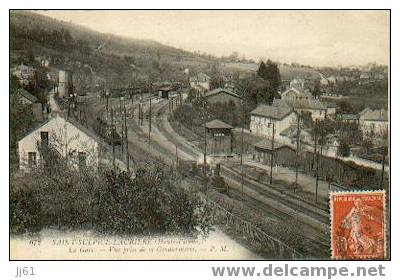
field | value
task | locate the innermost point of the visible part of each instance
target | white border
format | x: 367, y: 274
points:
x: 183, y: 270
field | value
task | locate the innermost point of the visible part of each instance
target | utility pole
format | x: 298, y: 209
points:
x: 242, y: 149
x: 112, y: 138
x: 297, y: 149
x: 149, y: 118
x: 126, y: 141
x: 122, y: 124
x: 383, y: 166
x: 273, y: 149
x: 205, y: 137
x: 316, y: 168
x: 176, y: 154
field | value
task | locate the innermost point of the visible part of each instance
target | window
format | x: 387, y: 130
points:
x: 32, y: 159
x: 44, y: 137
x: 81, y: 160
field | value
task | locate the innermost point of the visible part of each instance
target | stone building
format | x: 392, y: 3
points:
x: 265, y: 118
x: 66, y: 137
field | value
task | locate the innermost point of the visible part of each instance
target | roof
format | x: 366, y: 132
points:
x: 82, y: 128
x: 330, y: 104
x: 220, y: 90
x: 27, y: 95
x: 217, y: 124
x: 297, y: 92
x: 313, y: 104
x: 201, y: 77
x: 289, y: 131
x: 274, y: 112
x: 365, y: 110
x: 165, y: 88
x: 375, y: 115
x: 266, y: 144
x: 347, y: 117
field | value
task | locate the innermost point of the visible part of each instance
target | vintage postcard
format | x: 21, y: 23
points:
x: 199, y: 134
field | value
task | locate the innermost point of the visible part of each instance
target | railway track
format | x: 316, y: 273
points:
x: 258, y: 196
x: 316, y: 219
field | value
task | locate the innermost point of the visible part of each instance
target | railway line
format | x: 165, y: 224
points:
x: 260, y: 197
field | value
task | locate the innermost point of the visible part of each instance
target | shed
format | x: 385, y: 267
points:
x: 219, y: 137
x: 283, y: 154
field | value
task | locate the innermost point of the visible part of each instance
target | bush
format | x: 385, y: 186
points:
x: 150, y: 203
x: 343, y: 149
x: 25, y: 211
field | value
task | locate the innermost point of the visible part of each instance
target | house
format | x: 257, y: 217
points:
x: 219, y: 137
x: 374, y: 121
x: 222, y: 95
x: 284, y: 155
x: 317, y: 109
x: 295, y: 93
x: 43, y: 61
x: 330, y: 109
x: 200, y: 79
x: 347, y: 118
x: 331, y: 80
x: 31, y: 100
x: 265, y: 118
x: 323, y: 81
x: 291, y: 133
x: 297, y: 83
x: 163, y: 92
x: 66, y: 137
x: 229, y: 85
x: 24, y: 73
x: 65, y: 86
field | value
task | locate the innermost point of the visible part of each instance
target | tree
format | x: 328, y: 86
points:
x: 270, y: 72
x: 21, y: 119
x: 316, y: 92
x: 343, y: 149
x: 262, y: 70
x: 216, y: 82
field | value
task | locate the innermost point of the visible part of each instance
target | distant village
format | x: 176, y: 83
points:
x: 284, y: 125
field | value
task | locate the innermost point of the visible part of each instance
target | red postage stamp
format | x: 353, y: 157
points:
x: 358, y: 225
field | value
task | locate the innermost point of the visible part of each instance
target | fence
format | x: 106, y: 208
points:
x: 254, y: 234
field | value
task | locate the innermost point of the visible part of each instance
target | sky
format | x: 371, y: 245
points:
x: 317, y: 38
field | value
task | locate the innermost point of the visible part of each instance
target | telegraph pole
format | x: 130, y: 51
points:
x: 149, y: 118
x: 126, y: 141
x: 205, y: 137
x: 273, y: 151
x: 316, y: 168
x: 297, y: 149
x: 383, y: 167
x: 241, y: 149
x: 112, y: 138
x: 122, y: 124
x: 176, y: 154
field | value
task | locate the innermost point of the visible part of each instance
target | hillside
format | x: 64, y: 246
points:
x: 116, y: 59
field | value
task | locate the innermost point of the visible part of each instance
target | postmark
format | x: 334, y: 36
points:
x: 358, y: 225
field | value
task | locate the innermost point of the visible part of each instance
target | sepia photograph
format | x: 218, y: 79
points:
x: 199, y: 135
